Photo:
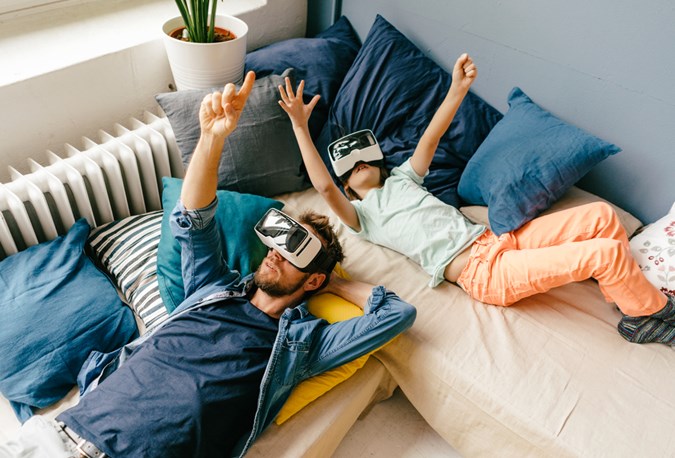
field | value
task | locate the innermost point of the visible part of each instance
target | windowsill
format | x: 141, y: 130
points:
x: 40, y: 43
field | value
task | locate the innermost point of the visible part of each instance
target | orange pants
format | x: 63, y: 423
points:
x: 559, y: 248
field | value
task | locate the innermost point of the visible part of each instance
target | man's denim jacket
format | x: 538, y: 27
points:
x: 305, y: 345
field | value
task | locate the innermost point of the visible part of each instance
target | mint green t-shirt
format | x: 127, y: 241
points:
x: 405, y: 217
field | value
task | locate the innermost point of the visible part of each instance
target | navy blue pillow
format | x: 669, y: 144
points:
x: 55, y: 308
x: 321, y: 61
x: 393, y: 89
x: 527, y: 163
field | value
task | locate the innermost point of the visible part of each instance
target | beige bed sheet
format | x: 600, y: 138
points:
x: 549, y: 376
x: 317, y: 430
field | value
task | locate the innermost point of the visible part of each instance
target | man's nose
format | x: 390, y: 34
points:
x: 275, y: 254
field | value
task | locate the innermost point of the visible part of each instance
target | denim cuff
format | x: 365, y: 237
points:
x: 197, y: 218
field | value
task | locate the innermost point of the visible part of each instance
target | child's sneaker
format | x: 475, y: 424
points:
x: 667, y: 313
x: 645, y: 329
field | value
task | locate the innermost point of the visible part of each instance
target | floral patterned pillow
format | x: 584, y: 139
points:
x: 654, y: 250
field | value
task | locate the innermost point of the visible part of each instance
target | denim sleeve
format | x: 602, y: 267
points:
x: 202, y: 260
x: 385, y: 317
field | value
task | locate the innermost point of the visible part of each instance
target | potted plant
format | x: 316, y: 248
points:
x: 205, y: 49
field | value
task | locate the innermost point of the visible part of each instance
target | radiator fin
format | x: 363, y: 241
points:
x: 114, y: 176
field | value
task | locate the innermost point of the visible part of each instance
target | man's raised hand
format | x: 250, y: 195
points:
x: 220, y: 111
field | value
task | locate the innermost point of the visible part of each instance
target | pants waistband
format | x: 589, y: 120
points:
x: 85, y: 448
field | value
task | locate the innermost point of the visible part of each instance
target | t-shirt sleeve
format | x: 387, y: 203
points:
x: 406, y: 169
x: 360, y: 213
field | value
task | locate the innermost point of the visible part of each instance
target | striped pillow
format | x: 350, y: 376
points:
x: 127, y: 251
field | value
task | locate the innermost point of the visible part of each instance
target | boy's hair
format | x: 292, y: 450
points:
x: 384, y: 174
x: 320, y: 224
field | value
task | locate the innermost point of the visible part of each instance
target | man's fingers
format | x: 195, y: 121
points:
x: 229, y: 110
x: 301, y: 88
x: 216, y: 103
x: 247, y: 86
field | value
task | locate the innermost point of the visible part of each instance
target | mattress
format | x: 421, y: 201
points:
x: 549, y: 376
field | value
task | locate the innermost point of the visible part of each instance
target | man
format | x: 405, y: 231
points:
x: 210, y: 380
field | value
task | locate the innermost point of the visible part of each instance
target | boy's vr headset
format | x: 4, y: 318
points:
x: 351, y: 149
x: 294, y: 242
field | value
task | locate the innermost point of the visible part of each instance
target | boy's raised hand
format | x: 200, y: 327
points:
x: 220, y: 111
x: 293, y: 104
x: 464, y: 73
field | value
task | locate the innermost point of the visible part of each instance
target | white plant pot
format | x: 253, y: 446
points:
x: 207, y: 65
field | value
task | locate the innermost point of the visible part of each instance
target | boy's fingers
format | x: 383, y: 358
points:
x: 289, y: 88
x: 283, y: 106
x: 462, y: 60
x: 282, y: 94
x: 312, y: 103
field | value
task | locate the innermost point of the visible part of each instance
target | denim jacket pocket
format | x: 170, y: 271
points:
x: 297, y: 346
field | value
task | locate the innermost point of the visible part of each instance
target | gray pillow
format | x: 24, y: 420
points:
x: 261, y: 156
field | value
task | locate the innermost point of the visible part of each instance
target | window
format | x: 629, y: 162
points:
x: 25, y: 6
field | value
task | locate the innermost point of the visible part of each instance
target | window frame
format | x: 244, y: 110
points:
x: 34, y: 6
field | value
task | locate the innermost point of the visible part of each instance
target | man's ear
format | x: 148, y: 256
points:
x: 314, y: 281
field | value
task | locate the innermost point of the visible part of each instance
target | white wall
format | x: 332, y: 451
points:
x: 65, y: 74
x: 606, y: 66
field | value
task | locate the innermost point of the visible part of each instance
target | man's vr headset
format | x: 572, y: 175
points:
x: 294, y: 242
x: 351, y: 149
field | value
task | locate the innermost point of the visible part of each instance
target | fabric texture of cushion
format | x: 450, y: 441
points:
x: 127, y: 251
x: 237, y: 214
x: 654, y: 250
x: 322, y: 61
x: 261, y: 156
x: 527, y: 162
x: 331, y: 308
x: 55, y: 308
x: 393, y: 89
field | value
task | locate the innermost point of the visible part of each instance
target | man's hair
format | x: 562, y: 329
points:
x: 320, y: 224
x: 384, y: 174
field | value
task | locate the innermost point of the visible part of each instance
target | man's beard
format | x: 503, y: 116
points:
x: 276, y: 288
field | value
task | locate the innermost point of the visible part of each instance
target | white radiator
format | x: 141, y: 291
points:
x: 118, y: 176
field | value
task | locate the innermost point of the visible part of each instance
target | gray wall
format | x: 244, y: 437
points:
x: 605, y: 66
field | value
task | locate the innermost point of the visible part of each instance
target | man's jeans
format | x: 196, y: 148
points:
x: 39, y: 437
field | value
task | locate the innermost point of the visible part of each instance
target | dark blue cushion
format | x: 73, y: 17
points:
x: 55, y: 308
x: 237, y: 214
x: 321, y: 61
x: 393, y: 89
x: 527, y: 163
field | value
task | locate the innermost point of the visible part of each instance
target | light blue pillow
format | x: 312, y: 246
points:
x: 55, y: 308
x: 527, y: 162
x: 237, y: 214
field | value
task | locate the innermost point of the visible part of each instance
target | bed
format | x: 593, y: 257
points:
x: 549, y: 376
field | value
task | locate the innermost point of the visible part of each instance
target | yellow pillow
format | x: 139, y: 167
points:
x: 331, y: 308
